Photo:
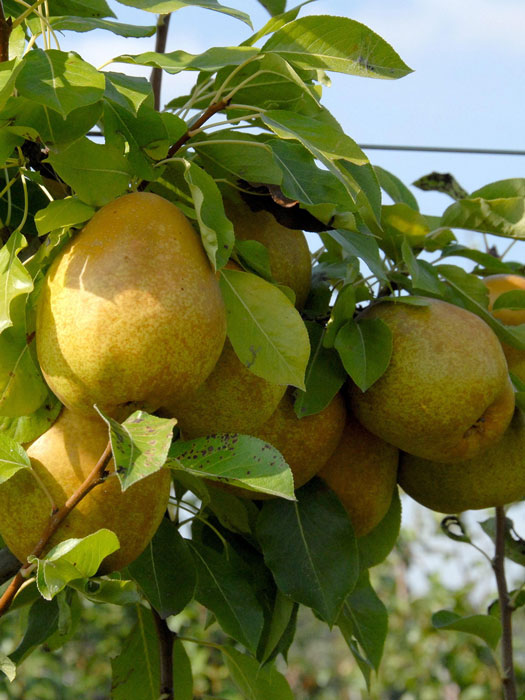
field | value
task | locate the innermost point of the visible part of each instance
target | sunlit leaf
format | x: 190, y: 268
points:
x: 166, y: 6
x: 338, y: 44
x: 176, y: 61
x: 365, y: 348
x: 62, y: 212
x: 485, y: 626
x: 13, y: 457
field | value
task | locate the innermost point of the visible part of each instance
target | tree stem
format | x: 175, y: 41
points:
x: 166, y: 638
x: 9, y: 565
x: 160, y: 47
x: 6, y: 26
x: 96, y: 477
x: 498, y: 564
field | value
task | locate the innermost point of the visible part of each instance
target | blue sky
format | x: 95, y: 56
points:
x: 466, y: 89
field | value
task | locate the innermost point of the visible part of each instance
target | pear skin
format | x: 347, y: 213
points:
x: 363, y: 473
x: 493, y: 478
x: 231, y: 400
x: 61, y: 459
x: 290, y: 259
x: 131, y: 312
x: 446, y: 394
x: 498, y: 284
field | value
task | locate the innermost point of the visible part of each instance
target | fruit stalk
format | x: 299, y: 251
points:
x: 96, y: 476
x: 506, y: 609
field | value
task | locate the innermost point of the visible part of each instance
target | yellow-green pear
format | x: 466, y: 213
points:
x: 305, y: 443
x: 493, y: 478
x: 363, y: 473
x: 231, y: 400
x: 499, y: 284
x: 131, y: 312
x: 290, y: 259
x: 446, y: 394
x: 61, y: 459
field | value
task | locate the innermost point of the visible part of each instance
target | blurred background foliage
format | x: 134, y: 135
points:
x: 419, y: 663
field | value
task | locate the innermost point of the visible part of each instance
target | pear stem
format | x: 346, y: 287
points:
x: 95, y: 477
x: 506, y: 609
x: 166, y: 638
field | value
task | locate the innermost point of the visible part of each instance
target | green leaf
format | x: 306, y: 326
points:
x: 336, y: 44
x: 7, y: 667
x: 239, y: 460
x: 72, y: 559
x: 237, y: 156
x: 182, y: 671
x: 266, y: 331
x: 22, y: 388
x: 485, y: 626
x: 325, y: 141
x: 325, y: 375
x: 424, y: 276
x: 62, y: 212
x: 86, y: 24
x: 128, y: 91
x: 254, y: 682
x: 255, y: 257
x: 216, y: 229
x: 136, y: 670
x: 514, y: 545
x: 379, y: 542
x: 97, y: 172
x: 283, y: 613
x: 211, y: 60
x: 512, y: 187
x: 274, y: 7
x: 295, y: 538
x: 140, y: 445
x: 80, y: 8
x: 165, y: 571
x: 510, y: 300
x: 363, y: 246
x: 225, y: 586
x: 342, y: 311
x: 365, y: 348
x: 487, y: 261
x: 14, y: 278
x: 235, y: 514
x: 303, y: 180
x: 364, y: 624
x: 13, y: 457
x: 501, y: 217
x: 59, y: 80
x: 166, y: 6
x: 394, y: 188
x: 42, y: 622
x: 106, y: 590
x: 9, y: 71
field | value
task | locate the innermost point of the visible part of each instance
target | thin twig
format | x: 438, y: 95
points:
x: 166, y: 638
x: 498, y: 564
x: 96, y: 476
x: 160, y: 47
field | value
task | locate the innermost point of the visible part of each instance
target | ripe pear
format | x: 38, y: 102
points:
x: 305, y: 443
x: 498, y: 284
x: 61, y: 459
x: 231, y: 400
x: 363, y: 473
x: 446, y: 394
x: 290, y: 260
x: 493, y: 478
x: 131, y: 312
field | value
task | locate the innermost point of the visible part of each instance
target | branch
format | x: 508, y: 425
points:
x: 210, y: 111
x: 6, y: 26
x: 166, y: 638
x: 160, y: 47
x: 97, y: 476
x: 506, y: 609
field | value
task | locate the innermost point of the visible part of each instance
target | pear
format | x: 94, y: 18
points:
x: 61, y: 459
x: 305, y: 443
x: 290, y: 259
x: 446, y: 394
x: 130, y: 312
x: 498, y: 284
x: 493, y: 478
x: 363, y: 473
x: 231, y: 400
